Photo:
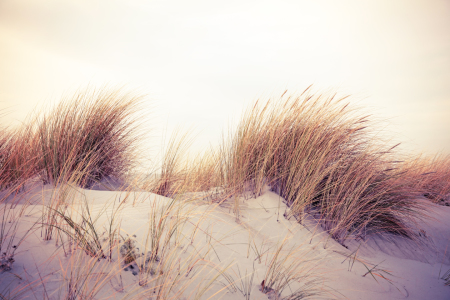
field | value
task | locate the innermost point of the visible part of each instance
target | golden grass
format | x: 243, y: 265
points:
x: 172, y: 175
x: 202, y: 173
x: 17, y: 166
x: 94, y: 133
x: 319, y: 154
x: 429, y: 176
x: 18, y: 161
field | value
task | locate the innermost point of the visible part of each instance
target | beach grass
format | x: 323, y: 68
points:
x: 93, y: 133
x: 320, y: 154
x: 430, y: 176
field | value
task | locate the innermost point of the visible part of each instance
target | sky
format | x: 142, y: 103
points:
x: 201, y: 63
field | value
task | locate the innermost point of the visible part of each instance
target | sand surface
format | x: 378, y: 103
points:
x: 223, y: 250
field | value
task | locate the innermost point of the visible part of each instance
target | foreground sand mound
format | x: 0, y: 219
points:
x: 158, y: 247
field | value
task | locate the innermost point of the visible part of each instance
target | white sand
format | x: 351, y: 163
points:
x: 221, y: 241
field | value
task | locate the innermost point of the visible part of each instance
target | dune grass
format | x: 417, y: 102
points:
x: 17, y: 167
x: 202, y: 173
x: 429, y: 176
x: 94, y: 133
x: 18, y: 161
x: 173, y: 167
x: 319, y: 154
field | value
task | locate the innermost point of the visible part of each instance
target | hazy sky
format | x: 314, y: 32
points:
x: 203, y: 62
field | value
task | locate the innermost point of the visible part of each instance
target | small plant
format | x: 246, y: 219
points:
x: 113, y: 225
x: 166, y: 269
x: 287, y: 267
x: 374, y: 270
x: 17, y: 166
x: 259, y: 251
x: 246, y: 283
x: 17, y: 291
x: 128, y: 250
x: 203, y: 175
x: 85, y: 276
x: 165, y: 222
x: 85, y: 233
x: 10, y: 217
x: 60, y: 199
x: 76, y: 222
x: 8, y: 230
x: 6, y: 261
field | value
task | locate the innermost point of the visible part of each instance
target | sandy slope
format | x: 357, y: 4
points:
x: 411, y: 269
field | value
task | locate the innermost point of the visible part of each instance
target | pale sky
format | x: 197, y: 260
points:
x: 203, y: 62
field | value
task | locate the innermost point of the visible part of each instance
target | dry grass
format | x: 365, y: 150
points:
x: 162, y: 270
x: 318, y: 154
x: 374, y: 270
x: 172, y: 175
x: 162, y: 274
x: 245, y: 283
x: 181, y: 174
x: 94, y: 133
x: 446, y: 278
x: 58, y: 203
x: 202, y: 173
x: 18, y: 162
x: 83, y: 277
x: 164, y: 225
x: 10, y: 240
x: 288, y: 268
x: 429, y: 176
x: 17, y: 166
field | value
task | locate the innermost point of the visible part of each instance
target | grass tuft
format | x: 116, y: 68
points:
x: 94, y: 133
x: 319, y: 154
x: 288, y: 267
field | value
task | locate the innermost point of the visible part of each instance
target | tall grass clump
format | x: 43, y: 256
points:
x: 95, y: 133
x: 319, y: 154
